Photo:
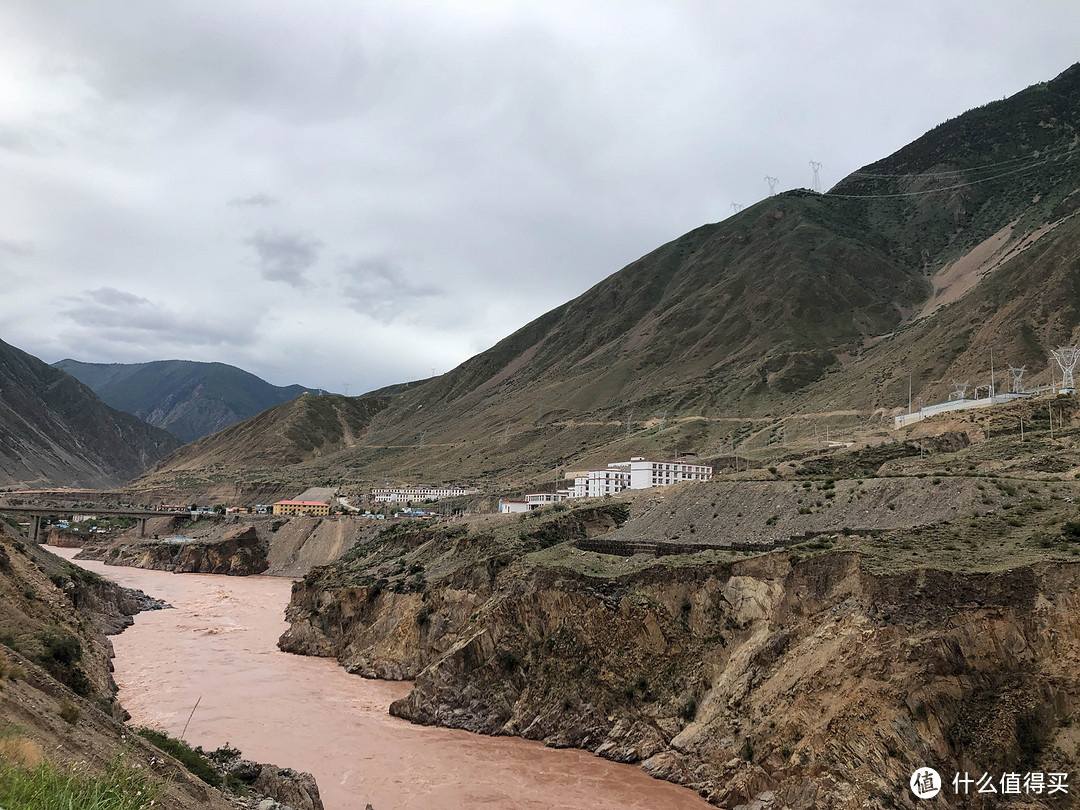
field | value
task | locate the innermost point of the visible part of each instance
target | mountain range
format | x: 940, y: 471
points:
x: 186, y: 398
x: 802, y: 311
x: 908, y: 272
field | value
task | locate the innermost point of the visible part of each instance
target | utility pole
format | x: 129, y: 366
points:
x: 909, y: 393
x: 1021, y: 428
x: 992, y: 389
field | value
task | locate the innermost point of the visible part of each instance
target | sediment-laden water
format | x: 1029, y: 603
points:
x: 217, y: 648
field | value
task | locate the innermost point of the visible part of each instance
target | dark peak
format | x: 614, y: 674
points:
x: 1069, y: 74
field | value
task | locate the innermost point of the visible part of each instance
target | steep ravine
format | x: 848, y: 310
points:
x: 796, y: 683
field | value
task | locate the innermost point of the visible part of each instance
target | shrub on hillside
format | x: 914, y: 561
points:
x: 194, y: 759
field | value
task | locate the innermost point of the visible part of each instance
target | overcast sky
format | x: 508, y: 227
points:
x: 350, y: 194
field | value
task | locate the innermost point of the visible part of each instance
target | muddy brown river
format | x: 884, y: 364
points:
x: 218, y: 647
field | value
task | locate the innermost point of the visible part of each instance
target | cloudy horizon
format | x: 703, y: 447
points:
x: 350, y: 196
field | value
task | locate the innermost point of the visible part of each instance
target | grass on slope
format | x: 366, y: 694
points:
x: 50, y: 787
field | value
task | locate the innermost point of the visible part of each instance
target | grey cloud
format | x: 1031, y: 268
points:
x: 284, y: 256
x: 260, y: 200
x: 523, y: 150
x: 14, y: 247
x: 123, y: 318
x: 251, y: 56
x: 112, y: 298
x: 379, y: 288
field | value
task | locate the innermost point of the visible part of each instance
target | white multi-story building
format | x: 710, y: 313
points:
x: 537, y: 499
x: 637, y: 473
x: 607, y: 482
x: 416, y: 494
x: 645, y: 473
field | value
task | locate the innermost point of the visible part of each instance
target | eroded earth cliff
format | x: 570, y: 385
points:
x: 819, y: 674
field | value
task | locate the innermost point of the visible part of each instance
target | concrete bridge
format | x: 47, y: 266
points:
x: 36, y: 513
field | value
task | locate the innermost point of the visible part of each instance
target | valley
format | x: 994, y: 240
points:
x: 217, y: 646
x: 849, y: 599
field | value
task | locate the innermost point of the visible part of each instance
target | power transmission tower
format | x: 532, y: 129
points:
x: 959, y: 390
x: 422, y: 435
x: 663, y: 420
x: 1017, y: 378
x: 772, y: 181
x: 629, y: 416
x: 817, y: 178
x: 1067, y: 357
x: 506, y: 433
x: 736, y: 207
x: 346, y: 387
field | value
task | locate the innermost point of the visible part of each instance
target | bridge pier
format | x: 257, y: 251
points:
x: 142, y: 528
x: 35, y: 528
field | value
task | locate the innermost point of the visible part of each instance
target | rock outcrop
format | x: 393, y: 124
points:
x: 238, y: 552
x: 769, y: 681
x: 275, y: 545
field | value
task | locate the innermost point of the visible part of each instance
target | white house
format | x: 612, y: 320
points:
x: 510, y: 507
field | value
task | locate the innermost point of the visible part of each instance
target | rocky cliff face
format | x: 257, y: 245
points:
x: 769, y: 681
x: 287, y: 546
x: 238, y: 552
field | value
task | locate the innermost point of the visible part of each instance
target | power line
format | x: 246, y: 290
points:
x: 1041, y: 157
x: 937, y: 190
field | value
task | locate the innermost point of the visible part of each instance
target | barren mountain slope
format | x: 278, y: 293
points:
x: 801, y: 303
x: 55, y: 432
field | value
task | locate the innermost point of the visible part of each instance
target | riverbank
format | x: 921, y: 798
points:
x: 219, y: 644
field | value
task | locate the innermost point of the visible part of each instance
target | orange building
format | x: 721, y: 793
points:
x: 301, y: 508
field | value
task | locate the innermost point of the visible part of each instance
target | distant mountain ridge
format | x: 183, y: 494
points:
x: 54, y: 431
x: 187, y: 398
